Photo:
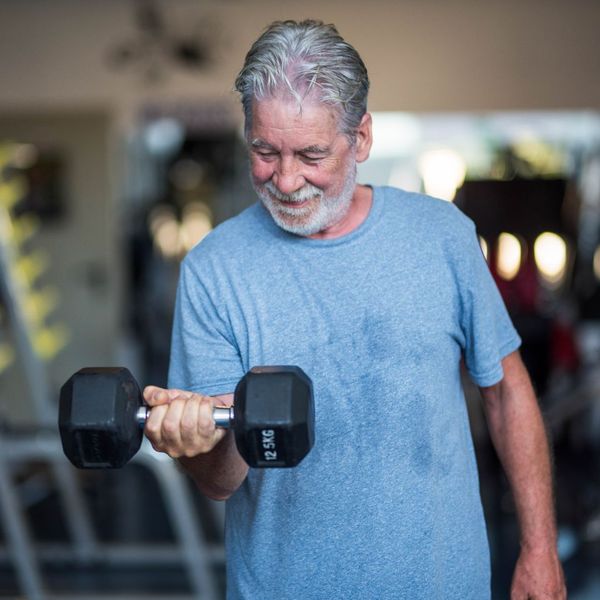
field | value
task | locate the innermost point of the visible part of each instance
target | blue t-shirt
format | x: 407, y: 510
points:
x: 387, y: 504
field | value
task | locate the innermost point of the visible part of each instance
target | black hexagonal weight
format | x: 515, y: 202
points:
x: 97, y: 418
x: 274, y: 422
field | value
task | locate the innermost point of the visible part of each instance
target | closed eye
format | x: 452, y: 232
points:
x: 265, y: 154
x: 311, y: 158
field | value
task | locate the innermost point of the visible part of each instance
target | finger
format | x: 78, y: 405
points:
x: 189, y: 425
x: 206, y: 422
x: 176, y: 393
x: 171, y: 428
x: 153, y: 426
x: 199, y: 433
x: 154, y: 395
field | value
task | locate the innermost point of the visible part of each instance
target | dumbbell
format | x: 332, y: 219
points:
x: 102, y: 415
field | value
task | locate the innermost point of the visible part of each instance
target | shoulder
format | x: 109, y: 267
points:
x: 425, y: 213
x: 246, y: 224
x: 231, y: 237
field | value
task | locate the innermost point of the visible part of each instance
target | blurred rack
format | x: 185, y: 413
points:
x: 27, y: 325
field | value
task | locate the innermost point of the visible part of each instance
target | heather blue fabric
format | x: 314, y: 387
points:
x: 387, y: 503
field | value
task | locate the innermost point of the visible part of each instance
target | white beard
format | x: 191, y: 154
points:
x: 321, y: 213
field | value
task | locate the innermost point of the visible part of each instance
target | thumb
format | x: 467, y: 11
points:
x: 155, y: 396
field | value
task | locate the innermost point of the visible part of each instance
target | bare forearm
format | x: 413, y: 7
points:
x: 518, y: 433
x: 181, y: 424
x: 219, y: 473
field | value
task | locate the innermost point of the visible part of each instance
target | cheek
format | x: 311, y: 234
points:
x: 323, y: 176
x: 261, y: 171
x: 327, y: 182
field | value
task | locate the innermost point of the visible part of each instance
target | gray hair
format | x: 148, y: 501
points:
x: 299, y: 58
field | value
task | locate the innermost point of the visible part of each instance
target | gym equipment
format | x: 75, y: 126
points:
x: 102, y: 414
x: 32, y: 343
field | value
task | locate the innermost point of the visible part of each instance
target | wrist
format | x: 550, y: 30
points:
x: 539, y: 544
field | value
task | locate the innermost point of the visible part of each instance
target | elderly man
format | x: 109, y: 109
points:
x: 378, y: 295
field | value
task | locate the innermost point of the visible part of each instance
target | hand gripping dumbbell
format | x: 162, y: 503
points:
x: 102, y: 415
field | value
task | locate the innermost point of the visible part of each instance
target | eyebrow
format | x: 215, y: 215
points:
x: 314, y: 149
x: 258, y: 143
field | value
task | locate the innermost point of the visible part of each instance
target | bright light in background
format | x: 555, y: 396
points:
x: 196, y: 224
x: 164, y: 227
x: 164, y: 137
x: 394, y: 134
x: 508, y: 258
x: 544, y: 139
x: 404, y: 175
x: 543, y: 157
x: 172, y: 238
x: 443, y: 171
x: 484, y: 247
x: 550, y: 253
x: 597, y: 263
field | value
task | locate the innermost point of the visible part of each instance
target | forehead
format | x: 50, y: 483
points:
x: 282, y: 119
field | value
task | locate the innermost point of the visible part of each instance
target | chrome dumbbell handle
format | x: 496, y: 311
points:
x: 222, y: 415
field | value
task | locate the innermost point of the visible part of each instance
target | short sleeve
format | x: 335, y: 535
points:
x: 489, y: 334
x: 204, y: 356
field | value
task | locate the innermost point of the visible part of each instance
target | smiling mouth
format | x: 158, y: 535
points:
x: 294, y: 203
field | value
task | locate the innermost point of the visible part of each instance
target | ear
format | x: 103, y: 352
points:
x: 364, y: 138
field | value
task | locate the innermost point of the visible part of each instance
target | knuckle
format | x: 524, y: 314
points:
x: 151, y: 429
x: 153, y: 426
x: 170, y: 427
x: 158, y: 446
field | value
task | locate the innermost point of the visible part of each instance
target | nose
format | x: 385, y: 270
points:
x: 287, y: 177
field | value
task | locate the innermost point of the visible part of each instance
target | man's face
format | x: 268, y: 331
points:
x: 303, y: 168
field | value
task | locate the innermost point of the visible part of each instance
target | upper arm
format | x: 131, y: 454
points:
x: 204, y: 355
x: 486, y: 333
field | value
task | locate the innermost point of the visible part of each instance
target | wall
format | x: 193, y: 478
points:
x: 422, y: 55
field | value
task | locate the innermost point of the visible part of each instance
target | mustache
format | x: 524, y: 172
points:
x: 304, y: 193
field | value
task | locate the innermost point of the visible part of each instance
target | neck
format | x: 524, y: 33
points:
x: 353, y: 219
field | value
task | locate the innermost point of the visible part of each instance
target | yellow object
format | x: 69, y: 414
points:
x: 24, y: 228
x: 30, y: 266
x: 39, y: 304
x: 6, y: 152
x: 11, y: 192
x: 49, y: 341
x: 7, y: 356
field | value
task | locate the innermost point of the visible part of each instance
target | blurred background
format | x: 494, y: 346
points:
x: 121, y: 147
